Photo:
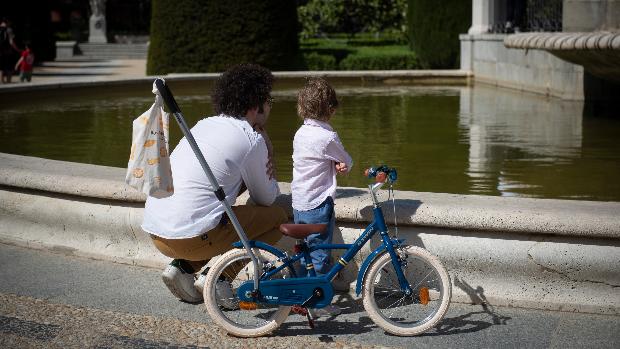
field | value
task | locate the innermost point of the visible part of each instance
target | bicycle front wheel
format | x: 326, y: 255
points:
x: 394, y: 311
x: 241, y: 319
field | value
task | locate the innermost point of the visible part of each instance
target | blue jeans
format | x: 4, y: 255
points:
x: 322, y: 214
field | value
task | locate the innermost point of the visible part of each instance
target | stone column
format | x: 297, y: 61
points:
x: 482, y: 16
x: 97, y: 27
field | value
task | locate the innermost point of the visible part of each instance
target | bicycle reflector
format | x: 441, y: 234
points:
x: 247, y: 305
x: 424, y: 295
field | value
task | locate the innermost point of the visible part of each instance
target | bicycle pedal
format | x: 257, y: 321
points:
x: 303, y: 311
x: 297, y: 309
x: 310, y: 320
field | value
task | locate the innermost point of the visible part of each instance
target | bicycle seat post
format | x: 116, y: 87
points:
x: 302, y: 247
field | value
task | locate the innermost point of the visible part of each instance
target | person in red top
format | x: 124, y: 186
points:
x: 24, y: 64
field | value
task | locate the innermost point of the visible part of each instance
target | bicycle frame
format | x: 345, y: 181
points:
x: 311, y: 281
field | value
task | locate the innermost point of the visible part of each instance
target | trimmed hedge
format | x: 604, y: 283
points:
x: 434, y: 29
x: 356, y: 53
x: 211, y: 35
x: 386, y: 59
x: 316, y: 61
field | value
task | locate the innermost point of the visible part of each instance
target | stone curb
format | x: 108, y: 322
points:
x: 459, y: 76
x: 463, y: 212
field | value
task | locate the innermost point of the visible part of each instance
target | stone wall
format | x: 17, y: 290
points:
x: 535, y: 253
x: 529, y: 70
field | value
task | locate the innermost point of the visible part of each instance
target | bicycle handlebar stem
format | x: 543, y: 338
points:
x: 373, y: 192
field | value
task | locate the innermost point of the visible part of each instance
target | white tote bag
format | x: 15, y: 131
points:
x: 148, y: 169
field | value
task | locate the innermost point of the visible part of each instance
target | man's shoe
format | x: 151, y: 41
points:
x: 199, y: 284
x: 180, y: 283
x: 330, y: 310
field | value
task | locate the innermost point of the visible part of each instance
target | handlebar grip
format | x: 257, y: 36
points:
x: 167, y: 96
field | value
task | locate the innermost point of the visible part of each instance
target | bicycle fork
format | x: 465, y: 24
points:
x: 396, y: 263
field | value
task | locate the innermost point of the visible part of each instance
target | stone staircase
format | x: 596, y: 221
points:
x: 112, y: 51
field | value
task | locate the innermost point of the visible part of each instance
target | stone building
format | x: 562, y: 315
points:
x: 568, y: 49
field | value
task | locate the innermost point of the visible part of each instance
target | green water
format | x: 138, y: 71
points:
x: 465, y: 140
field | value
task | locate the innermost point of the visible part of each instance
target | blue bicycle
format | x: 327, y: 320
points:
x: 251, y: 289
x: 406, y: 290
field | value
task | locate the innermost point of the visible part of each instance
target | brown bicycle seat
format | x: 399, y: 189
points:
x: 300, y: 231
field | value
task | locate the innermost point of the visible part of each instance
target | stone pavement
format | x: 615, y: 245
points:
x: 84, y: 70
x: 56, y: 301
x: 27, y: 322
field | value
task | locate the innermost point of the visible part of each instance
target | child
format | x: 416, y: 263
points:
x: 24, y: 64
x: 318, y: 155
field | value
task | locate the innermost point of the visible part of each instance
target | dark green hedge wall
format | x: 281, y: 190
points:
x: 211, y: 35
x: 434, y: 28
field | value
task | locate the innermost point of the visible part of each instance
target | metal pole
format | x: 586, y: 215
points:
x: 219, y: 192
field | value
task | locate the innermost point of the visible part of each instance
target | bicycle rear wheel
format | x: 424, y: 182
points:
x: 394, y: 311
x: 243, y: 319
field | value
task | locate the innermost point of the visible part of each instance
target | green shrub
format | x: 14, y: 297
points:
x: 211, y: 35
x: 434, y: 31
x: 327, y: 17
x: 380, y: 60
x: 316, y: 61
x: 360, y: 52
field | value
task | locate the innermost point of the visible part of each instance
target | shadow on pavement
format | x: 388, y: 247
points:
x: 469, y: 322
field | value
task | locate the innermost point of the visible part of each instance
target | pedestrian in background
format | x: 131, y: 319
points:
x: 24, y: 64
x: 7, y: 45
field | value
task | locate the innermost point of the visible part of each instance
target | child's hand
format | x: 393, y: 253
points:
x: 341, y: 167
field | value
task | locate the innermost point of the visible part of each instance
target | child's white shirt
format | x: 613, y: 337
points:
x: 316, y: 149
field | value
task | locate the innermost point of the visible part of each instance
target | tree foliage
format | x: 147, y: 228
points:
x: 211, y: 35
x: 322, y: 17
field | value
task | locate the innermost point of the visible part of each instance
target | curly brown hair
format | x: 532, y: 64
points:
x: 241, y: 88
x: 316, y: 100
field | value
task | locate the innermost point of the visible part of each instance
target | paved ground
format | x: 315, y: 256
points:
x: 84, y: 70
x: 57, y: 301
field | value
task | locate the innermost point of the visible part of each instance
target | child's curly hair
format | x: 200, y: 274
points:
x: 316, y: 100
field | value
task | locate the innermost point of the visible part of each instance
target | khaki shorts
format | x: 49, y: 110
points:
x: 258, y: 222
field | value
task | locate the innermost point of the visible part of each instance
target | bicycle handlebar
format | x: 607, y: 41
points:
x: 381, y: 174
x: 171, y: 103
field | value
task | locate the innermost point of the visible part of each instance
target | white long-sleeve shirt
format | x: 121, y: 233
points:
x: 316, y: 149
x: 234, y: 152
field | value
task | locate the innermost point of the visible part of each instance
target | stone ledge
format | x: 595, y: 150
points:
x: 564, y: 41
x: 459, y: 76
x: 462, y: 212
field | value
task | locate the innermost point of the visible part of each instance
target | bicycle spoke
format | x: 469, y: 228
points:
x: 418, y: 284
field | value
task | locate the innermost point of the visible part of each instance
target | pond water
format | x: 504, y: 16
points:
x: 450, y: 139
